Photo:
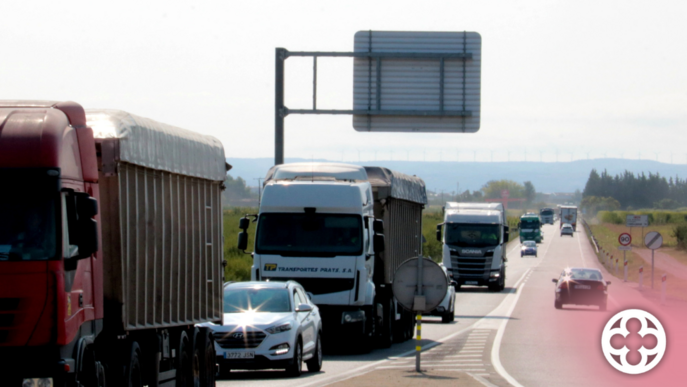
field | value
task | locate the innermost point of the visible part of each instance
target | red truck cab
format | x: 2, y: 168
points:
x: 50, y: 265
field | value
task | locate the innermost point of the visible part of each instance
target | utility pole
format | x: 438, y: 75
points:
x: 259, y: 179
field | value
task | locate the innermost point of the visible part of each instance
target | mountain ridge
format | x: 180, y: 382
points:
x: 450, y: 176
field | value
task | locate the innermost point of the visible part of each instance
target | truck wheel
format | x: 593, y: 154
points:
x: 557, y: 305
x: 197, y: 353
x: 296, y: 369
x: 386, y: 337
x: 208, y: 359
x: 315, y: 364
x: 133, y: 376
x: 183, y: 361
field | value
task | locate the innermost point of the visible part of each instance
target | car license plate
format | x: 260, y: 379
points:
x: 470, y: 282
x: 586, y: 287
x: 239, y: 355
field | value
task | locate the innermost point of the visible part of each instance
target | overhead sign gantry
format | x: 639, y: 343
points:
x: 421, y: 82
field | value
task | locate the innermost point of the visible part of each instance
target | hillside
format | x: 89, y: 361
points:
x: 546, y: 177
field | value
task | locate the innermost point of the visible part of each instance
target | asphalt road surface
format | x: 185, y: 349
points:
x: 515, y: 337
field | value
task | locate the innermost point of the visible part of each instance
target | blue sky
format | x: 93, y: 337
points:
x: 597, y: 77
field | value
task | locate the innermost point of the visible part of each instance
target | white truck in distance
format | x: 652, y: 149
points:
x: 474, y: 244
x: 341, y: 231
x: 569, y: 215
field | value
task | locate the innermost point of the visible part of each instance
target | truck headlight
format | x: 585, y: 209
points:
x: 279, y: 328
x: 352, y: 317
x: 495, y: 274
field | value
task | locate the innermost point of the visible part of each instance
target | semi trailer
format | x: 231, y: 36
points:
x: 110, y: 248
x: 341, y: 231
x: 474, y: 242
x: 568, y: 214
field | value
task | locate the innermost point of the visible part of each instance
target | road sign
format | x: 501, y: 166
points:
x: 505, y: 193
x: 625, y: 239
x: 637, y: 221
x: 653, y: 240
x: 434, y: 285
x: 420, y: 82
x: 625, y: 248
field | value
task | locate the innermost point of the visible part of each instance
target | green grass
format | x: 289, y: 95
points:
x: 607, y: 236
x: 238, y: 263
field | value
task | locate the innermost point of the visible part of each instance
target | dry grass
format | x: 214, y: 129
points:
x: 607, y: 236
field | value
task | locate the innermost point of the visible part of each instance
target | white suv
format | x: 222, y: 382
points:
x: 268, y: 325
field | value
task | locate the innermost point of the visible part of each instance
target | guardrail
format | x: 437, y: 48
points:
x: 591, y: 235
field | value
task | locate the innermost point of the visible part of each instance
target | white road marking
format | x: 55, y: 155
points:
x: 356, y: 371
x: 479, y: 378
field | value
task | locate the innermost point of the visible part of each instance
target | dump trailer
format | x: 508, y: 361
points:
x: 110, y: 248
x: 398, y: 201
x: 341, y: 231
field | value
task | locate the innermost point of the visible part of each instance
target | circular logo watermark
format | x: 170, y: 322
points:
x: 649, y: 357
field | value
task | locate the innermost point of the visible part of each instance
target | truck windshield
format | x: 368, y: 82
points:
x: 256, y: 300
x: 28, y: 219
x: 472, y: 235
x: 547, y: 212
x: 529, y: 223
x: 309, y: 235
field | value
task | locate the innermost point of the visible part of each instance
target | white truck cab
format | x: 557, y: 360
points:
x: 316, y: 225
x: 474, y: 244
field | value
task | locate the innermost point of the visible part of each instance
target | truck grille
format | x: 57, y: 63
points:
x: 238, y: 339
x: 471, y: 267
x: 320, y: 285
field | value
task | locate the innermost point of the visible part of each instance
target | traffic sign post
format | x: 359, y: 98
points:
x: 625, y: 241
x: 653, y: 241
x: 664, y: 279
x: 419, y: 285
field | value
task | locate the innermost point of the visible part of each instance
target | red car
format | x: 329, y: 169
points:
x: 581, y: 286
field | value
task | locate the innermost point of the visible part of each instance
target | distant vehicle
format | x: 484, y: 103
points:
x: 447, y: 309
x: 546, y: 215
x: 528, y: 248
x: 567, y: 229
x: 581, y: 286
x: 268, y: 325
x: 474, y: 244
x: 569, y: 216
x: 530, y: 228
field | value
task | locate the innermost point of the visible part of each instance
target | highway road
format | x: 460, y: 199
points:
x: 515, y: 337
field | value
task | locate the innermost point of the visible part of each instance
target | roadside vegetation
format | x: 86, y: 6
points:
x: 606, y: 229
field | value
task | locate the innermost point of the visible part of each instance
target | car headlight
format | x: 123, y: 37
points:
x: 279, y: 328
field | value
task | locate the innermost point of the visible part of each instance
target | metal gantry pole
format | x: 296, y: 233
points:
x: 279, y: 109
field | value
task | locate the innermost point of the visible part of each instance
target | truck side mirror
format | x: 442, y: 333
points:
x: 378, y: 241
x: 506, y: 234
x: 243, y: 240
x: 244, y: 223
x: 378, y: 226
x: 83, y: 228
x: 439, y: 232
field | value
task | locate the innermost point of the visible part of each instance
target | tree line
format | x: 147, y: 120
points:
x: 632, y: 191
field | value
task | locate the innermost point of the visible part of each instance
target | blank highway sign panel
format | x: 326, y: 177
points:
x: 445, y: 96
